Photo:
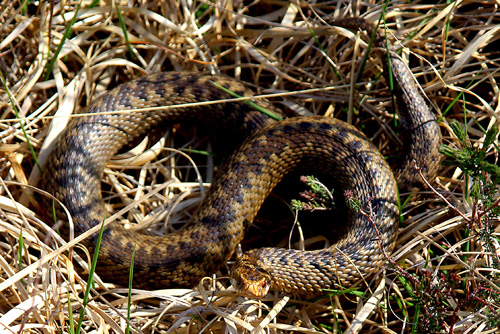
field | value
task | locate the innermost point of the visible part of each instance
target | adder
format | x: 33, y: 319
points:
x: 273, y: 148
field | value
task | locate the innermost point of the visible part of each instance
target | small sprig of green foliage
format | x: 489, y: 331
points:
x: 318, y: 197
x: 352, y: 202
x: 472, y: 161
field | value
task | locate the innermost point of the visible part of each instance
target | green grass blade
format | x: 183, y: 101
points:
x: 21, y: 124
x: 125, y: 33
x: 90, y: 281
x: 250, y: 103
x: 66, y: 35
x: 20, y: 251
x: 129, y: 301
x: 71, y: 328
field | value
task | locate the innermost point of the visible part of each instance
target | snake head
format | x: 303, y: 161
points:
x: 249, y: 279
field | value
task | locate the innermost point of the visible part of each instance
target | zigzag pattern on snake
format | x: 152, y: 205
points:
x: 74, y: 170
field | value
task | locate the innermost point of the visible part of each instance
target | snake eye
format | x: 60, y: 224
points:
x: 262, y: 271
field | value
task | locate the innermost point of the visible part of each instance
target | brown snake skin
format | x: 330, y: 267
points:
x: 74, y: 170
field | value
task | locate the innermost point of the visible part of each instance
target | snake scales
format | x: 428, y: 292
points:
x: 74, y: 170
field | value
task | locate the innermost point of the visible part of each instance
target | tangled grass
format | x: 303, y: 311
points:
x: 56, y: 56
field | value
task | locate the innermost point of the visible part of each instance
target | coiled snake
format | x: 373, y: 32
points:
x: 74, y: 170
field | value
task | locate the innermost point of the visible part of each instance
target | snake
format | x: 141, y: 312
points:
x: 270, y: 149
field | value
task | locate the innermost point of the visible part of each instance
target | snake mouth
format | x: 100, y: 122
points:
x: 249, y: 280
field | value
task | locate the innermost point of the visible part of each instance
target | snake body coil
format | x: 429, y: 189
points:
x: 273, y: 149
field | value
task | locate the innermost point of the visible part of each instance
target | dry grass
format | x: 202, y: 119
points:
x: 270, y: 45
